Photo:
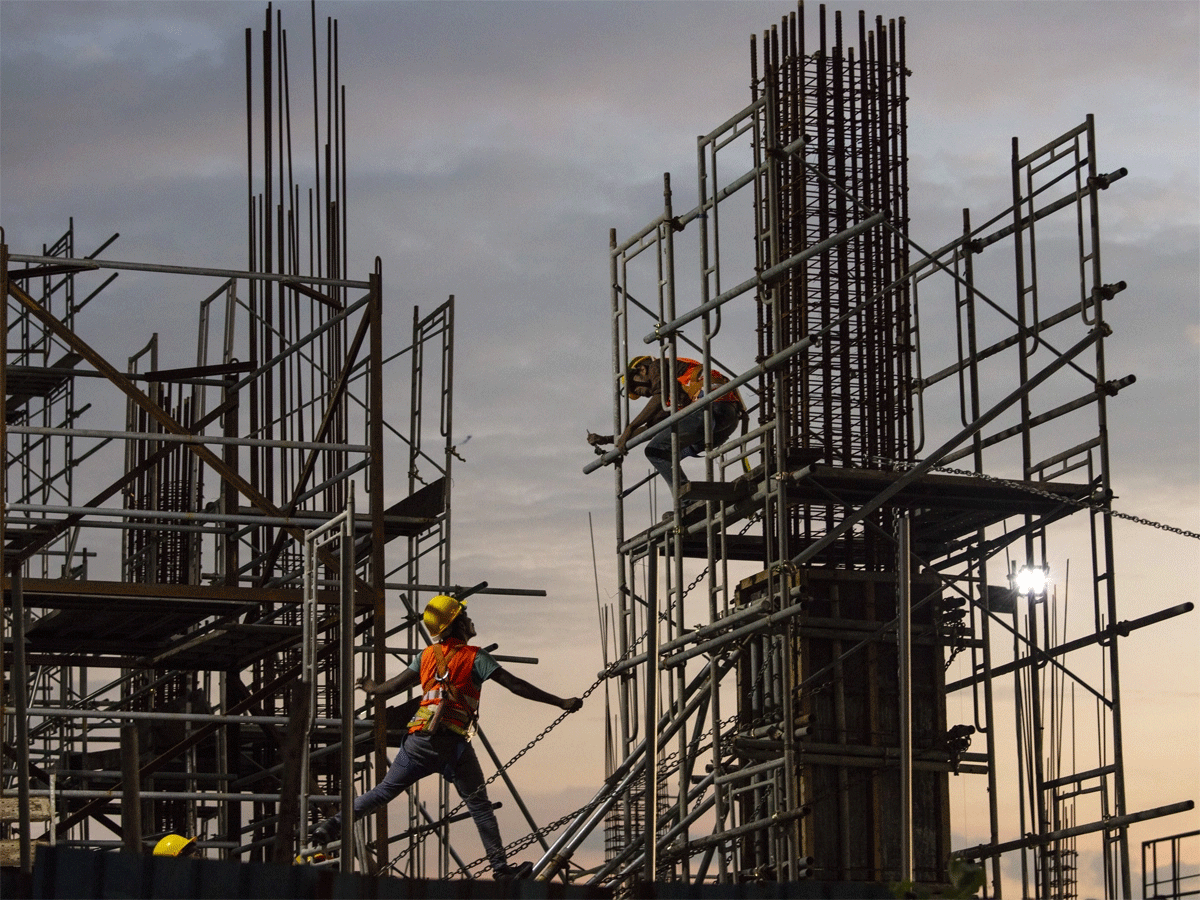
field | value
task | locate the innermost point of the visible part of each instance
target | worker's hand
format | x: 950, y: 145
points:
x: 571, y: 704
x: 367, y: 684
x: 597, y: 439
x: 621, y: 441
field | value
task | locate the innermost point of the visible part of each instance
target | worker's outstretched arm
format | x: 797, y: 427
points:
x: 402, y: 682
x: 523, y: 688
x: 651, y: 414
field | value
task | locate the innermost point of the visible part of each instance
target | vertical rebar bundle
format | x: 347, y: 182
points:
x: 848, y: 396
x: 223, y: 465
x: 832, y: 558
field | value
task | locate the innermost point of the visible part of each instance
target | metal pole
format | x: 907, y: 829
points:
x: 1037, y: 752
x: 775, y: 271
x: 308, y: 675
x: 904, y: 636
x: 20, y: 678
x: 376, y: 499
x: 617, y: 783
x: 512, y: 788
x: 84, y: 265
x: 651, y: 718
x: 131, y: 800
x: 346, y: 657
x: 934, y: 458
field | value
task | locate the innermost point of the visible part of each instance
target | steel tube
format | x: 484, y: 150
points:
x: 346, y: 686
x: 93, y: 264
x: 754, y: 609
x: 663, y: 842
x: 985, y: 851
x: 20, y: 688
x: 750, y: 827
x: 1039, y: 655
x: 116, y: 794
x: 737, y: 633
x: 904, y: 639
x: 227, y: 719
x: 934, y: 458
x: 623, y: 775
x: 650, y: 814
x: 169, y: 437
x: 285, y: 521
x: 764, y: 278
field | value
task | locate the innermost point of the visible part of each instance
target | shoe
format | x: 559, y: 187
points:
x: 513, y: 873
x: 323, y: 832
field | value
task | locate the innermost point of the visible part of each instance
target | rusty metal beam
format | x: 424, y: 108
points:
x: 335, y: 401
x: 158, y: 414
x: 54, y: 529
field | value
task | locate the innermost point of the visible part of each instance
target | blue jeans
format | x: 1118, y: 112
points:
x: 691, y: 438
x: 451, y: 755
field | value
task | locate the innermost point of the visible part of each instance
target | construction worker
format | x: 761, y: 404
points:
x: 643, y: 378
x: 176, y: 845
x: 451, y: 673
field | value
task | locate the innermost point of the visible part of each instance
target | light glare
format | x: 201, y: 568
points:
x: 1031, y: 581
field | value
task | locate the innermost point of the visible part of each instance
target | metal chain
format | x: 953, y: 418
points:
x: 668, y: 765
x: 483, y: 787
x: 1095, y: 506
x: 604, y: 675
x: 522, y: 843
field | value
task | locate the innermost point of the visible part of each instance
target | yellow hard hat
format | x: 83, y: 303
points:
x: 173, y: 845
x: 633, y: 364
x: 440, y: 612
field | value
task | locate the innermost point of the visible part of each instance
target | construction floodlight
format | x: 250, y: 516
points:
x: 1031, y: 581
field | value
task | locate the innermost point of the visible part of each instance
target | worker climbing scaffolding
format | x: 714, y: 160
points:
x: 451, y: 673
x: 643, y: 377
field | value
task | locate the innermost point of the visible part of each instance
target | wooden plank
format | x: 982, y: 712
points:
x: 39, y: 809
x: 10, y: 852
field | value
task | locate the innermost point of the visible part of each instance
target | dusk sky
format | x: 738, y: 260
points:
x: 492, y: 147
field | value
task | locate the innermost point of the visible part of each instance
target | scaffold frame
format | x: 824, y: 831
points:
x: 848, y: 454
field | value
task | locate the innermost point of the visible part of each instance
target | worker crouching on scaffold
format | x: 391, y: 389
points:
x: 451, y: 673
x: 643, y: 378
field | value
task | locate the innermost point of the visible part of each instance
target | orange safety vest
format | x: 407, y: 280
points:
x: 451, y: 699
x: 692, y: 382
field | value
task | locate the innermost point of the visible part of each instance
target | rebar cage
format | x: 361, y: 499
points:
x: 828, y: 753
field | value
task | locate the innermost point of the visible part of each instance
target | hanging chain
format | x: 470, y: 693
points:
x: 527, y: 840
x: 729, y: 726
x: 483, y: 787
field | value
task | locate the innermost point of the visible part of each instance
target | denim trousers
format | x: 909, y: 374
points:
x: 691, y: 438
x: 451, y: 755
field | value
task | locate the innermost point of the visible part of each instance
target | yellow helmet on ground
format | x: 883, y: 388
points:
x: 439, y: 613
x: 174, y: 845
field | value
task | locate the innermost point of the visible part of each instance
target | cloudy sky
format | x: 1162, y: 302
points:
x: 493, y: 146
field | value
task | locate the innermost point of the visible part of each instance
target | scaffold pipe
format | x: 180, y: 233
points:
x: 765, y: 277
x: 1111, y: 823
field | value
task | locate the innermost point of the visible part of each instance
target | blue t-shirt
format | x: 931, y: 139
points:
x: 481, y: 671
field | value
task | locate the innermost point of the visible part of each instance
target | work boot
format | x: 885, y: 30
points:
x: 323, y: 832
x: 513, y: 873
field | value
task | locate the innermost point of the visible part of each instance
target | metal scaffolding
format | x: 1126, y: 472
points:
x: 188, y: 598
x: 789, y: 634
x: 181, y: 634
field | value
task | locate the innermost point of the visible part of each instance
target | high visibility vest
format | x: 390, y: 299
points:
x: 692, y: 382
x: 447, y: 683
